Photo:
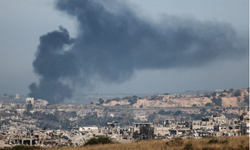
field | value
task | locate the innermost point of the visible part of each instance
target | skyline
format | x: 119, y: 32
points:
x: 21, y: 30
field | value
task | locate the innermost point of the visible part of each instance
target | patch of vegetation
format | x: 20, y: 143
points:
x: 152, y: 117
x: 224, y: 142
x: 213, y: 141
x: 188, y: 146
x: 234, y: 143
x: 208, y: 104
x: 101, y: 101
x: 217, y: 101
x: 154, y: 97
x: 199, y: 116
x: 100, y: 140
x: 175, y: 142
x: 216, y: 141
x: 213, y: 94
x: 203, y: 110
x: 116, y: 99
x: 89, y: 120
x: 65, y: 124
x: 127, y: 97
x: 23, y: 147
x: 133, y: 100
x: 177, y: 113
x: 222, y: 95
x: 208, y: 148
x: 237, y: 93
x: 207, y: 137
x: 246, y: 97
x: 207, y: 95
x: 163, y: 112
x: 108, y: 100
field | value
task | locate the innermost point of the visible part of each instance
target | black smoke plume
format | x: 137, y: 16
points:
x: 112, y: 43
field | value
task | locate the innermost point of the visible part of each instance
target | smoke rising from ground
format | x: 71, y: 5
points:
x: 111, y: 44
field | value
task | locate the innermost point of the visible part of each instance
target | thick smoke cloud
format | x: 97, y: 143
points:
x: 112, y: 44
x: 53, y: 64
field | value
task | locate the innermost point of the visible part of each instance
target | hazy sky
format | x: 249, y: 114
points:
x: 23, y: 22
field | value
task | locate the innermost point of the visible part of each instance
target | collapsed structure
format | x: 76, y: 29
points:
x: 214, y: 126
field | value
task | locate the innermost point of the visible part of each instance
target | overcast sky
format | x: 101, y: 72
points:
x: 23, y: 22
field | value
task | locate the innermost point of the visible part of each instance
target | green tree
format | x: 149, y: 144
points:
x: 161, y: 112
x: 101, y: 101
x: 199, y: 116
x: 246, y: 97
x: 73, y: 113
x: 133, y: 100
x: 177, y: 113
x: 214, y: 94
x: 217, y: 102
x: 237, y: 93
x: 203, y: 110
x: 89, y: 120
x: 116, y: 99
x: 65, y: 124
x: 152, y: 117
x: 208, y: 104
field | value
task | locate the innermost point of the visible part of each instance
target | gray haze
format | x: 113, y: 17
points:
x: 112, y: 44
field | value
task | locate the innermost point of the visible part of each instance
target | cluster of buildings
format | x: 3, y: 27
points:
x: 16, y: 127
x: 215, y: 126
x: 37, y: 103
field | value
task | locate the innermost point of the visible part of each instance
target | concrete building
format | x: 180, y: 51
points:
x: 29, y: 100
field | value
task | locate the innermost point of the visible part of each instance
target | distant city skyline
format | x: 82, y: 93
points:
x: 22, y: 24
